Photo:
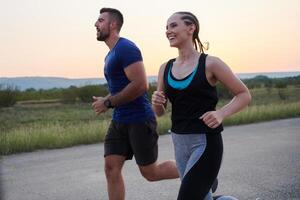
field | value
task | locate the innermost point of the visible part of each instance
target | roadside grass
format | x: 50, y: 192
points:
x: 251, y: 114
x: 58, y: 134
x: 29, y: 128
x: 260, y: 113
x: 52, y: 135
x: 26, y: 128
x: 262, y: 96
x: 20, y: 116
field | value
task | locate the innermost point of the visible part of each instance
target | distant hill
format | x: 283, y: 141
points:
x: 23, y: 83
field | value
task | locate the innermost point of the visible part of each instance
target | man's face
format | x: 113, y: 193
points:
x: 103, y: 26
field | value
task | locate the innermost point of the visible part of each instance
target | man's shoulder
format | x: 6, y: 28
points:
x: 124, y: 42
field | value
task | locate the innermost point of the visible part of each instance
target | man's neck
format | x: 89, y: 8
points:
x: 112, y: 41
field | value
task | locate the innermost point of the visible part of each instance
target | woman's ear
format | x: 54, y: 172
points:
x: 192, y: 29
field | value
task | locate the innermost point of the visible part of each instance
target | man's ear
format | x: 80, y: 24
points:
x: 113, y: 25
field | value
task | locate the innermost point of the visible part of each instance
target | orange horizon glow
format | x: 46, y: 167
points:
x: 58, y: 38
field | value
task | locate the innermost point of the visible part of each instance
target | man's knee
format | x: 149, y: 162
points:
x: 149, y: 176
x: 113, y: 166
x: 112, y: 170
x: 149, y: 172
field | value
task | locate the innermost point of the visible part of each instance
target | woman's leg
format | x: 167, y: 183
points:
x: 202, y: 168
x: 182, y: 152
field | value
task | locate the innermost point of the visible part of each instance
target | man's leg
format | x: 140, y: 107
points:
x: 143, y: 139
x: 159, y: 171
x: 113, y: 172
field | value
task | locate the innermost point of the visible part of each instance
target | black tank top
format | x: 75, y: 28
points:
x: 191, y: 102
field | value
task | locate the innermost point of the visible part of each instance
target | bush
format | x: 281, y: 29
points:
x: 223, y: 92
x: 281, y: 94
x: 86, y: 93
x: 280, y: 84
x: 70, y: 95
x: 41, y: 94
x: 258, y: 82
x: 252, y: 85
x: 152, y: 88
x: 8, y: 95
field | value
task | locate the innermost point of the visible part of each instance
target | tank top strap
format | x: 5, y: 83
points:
x: 169, y: 64
x: 167, y: 68
x: 201, y: 65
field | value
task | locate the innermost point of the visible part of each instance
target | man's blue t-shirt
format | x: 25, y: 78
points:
x: 123, y: 54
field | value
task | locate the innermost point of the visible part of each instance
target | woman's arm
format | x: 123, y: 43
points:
x: 217, y: 70
x: 159, y: 100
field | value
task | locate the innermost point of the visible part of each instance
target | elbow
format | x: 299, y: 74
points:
x: 244, y: 97
x: 146, y: 87
x: 248, y: 97
x: 143, y: 87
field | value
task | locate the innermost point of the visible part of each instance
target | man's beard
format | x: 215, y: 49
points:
x: 103, y: 36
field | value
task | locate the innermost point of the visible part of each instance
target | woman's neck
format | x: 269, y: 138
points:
x: 186, y: 54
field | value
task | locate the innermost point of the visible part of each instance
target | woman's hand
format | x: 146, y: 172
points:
x: 212, y: 118
x: 158, y: 98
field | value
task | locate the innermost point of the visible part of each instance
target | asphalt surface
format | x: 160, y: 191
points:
x: 261, y: 162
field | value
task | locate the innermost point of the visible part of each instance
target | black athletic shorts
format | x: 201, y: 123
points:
x: 138, y: 139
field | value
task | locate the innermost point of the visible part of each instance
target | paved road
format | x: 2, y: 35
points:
x: 261, y: 161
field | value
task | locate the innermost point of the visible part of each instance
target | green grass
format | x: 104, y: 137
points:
x: 52, y: 135
x: 25, y: 128
x: 20, y: 116
x: 58, y: 134
x: 262, y: 96
x: 251, y: 114
x: 261, y: 113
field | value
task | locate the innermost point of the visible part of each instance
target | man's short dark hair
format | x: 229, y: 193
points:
x: 115, y: 14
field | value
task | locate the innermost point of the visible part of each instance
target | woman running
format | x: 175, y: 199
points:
x: 189, y: 83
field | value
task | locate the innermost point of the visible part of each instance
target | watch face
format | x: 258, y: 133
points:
x: 107, y: 103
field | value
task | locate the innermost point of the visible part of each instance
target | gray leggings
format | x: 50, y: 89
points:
x: 198, y: 159
x: 197, y: 164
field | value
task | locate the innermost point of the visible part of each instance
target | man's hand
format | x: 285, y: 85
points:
x: 98, y: 105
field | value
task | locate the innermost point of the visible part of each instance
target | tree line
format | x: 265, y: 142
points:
x: 10, y: 95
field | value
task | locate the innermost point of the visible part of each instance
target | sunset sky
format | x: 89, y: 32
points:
x: 58, y: 37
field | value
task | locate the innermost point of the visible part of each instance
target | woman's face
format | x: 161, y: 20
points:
x: 177, y: 31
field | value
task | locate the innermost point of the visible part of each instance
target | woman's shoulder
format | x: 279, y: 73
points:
x: 163, y: 66
x: 212, y: 60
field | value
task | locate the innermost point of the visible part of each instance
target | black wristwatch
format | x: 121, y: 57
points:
x: 107, y: 104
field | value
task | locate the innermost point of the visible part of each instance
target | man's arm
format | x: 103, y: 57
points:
x: 138, y: 85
